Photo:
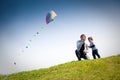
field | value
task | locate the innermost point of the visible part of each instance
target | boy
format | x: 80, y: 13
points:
x: 94, y: 49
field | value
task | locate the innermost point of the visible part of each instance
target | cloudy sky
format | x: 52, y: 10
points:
x: 21, y: 19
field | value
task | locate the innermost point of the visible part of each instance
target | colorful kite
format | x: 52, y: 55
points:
x: 50, y: 16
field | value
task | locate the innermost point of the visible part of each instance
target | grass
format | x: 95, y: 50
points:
x: 99, y: 69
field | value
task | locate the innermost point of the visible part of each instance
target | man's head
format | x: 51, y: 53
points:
x: 83, y: 37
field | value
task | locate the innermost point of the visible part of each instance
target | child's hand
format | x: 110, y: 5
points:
x: 86, y: 51
x: 89, y: 46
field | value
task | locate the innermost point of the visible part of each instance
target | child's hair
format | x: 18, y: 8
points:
x: 90, y: 38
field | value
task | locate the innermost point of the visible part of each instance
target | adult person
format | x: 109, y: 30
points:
x: 81, y: 48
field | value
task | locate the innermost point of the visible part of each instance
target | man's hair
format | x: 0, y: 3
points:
x: 82, y: 35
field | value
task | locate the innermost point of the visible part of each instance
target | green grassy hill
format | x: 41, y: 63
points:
x: 99, y: 69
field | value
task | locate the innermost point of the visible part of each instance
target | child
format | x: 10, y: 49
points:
x: 94, y: 49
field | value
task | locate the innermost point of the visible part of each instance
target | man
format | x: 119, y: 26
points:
x: 81, y: 48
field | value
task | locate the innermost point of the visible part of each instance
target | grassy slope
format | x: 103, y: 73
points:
x: 100, y: 69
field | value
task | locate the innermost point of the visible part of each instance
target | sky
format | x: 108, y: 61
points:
x: 56, y: 44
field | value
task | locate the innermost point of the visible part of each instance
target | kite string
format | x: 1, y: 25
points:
x: 23, y: 50
x: 27, y: 45
x: 53, y: 15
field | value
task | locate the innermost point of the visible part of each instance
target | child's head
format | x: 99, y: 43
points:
x: 90, y: 39
x: 83, y: 37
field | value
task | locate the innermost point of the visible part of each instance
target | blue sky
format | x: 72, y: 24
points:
x: 21, y: 19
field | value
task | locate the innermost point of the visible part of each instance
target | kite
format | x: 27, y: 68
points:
x: 50, y: 16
